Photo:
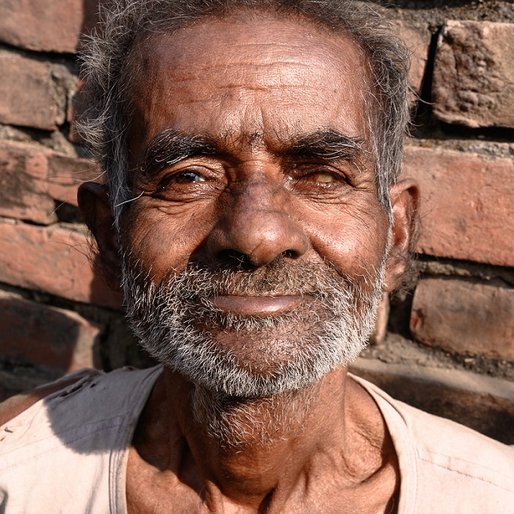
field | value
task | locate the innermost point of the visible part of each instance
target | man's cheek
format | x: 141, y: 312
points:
x: 164, y: 243
x: 349, y: 249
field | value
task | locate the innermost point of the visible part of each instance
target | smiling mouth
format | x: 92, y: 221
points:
x: 257, y: 305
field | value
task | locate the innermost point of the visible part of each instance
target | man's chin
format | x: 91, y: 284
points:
x: 255, y: 364
x: 261, y: 347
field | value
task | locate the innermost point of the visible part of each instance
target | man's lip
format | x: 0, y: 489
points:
x: 257, y: 305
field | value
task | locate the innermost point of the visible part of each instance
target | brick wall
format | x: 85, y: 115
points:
x: 445, y: 343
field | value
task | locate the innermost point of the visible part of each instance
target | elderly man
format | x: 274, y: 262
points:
x: 253, y: 216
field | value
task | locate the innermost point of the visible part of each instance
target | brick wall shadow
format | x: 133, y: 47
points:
x: 49, y: 339
x: 103, y: 292
x: 120, y: 347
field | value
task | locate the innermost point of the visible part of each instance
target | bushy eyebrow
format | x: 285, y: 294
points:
x: 328, y: 145
x: 170, y: 147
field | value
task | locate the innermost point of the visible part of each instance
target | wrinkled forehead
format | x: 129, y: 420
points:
x: 243, y: 75
x: 267, y: 34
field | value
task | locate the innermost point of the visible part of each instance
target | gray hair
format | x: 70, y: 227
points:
x: 106, y: 70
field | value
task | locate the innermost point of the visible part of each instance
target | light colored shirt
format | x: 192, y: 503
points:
x: 68, y: 453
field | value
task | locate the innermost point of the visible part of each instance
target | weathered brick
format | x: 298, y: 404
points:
x: 51, y: 259
x: 66, y: 173
x: 474, y: 74
x: 483, y: 403
x: 467, y: 204
x: 417, y: 38
x: 30, y: 92
x: 45, y: 336
x: 464, y: 317
x: 33, y: 179
x: 23, y: 183
x: 52, y: 25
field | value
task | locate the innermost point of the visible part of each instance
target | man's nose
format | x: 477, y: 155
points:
x: 255, y: 227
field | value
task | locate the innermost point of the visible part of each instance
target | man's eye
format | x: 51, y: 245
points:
x: 186, y: 177
x: 182, y: 177
x: 321, y: 177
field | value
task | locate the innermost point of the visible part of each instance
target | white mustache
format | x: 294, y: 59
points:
x: 276, y: 279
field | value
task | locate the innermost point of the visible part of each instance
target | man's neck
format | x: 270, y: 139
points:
x: 270, y: 452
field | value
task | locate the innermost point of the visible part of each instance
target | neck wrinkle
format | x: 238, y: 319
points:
x: 337, y: 449
x: 260, y: 450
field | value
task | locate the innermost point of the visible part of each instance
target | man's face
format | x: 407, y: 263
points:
x: 259, y: 232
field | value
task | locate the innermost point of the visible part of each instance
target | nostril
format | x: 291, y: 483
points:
x: 291, y: 254
x: 234, y: 259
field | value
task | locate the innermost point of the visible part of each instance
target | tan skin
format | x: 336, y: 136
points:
x: 254, y: 88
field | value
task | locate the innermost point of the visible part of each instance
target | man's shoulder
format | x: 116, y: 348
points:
x: 74, y: 406
x: 15, y: 405
x: 442, y: 443
x: 449, y: 460
x: 82, y: 425
x: 465, y: 469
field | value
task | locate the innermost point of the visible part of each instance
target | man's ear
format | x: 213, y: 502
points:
x: 404, y: 202
x: 93, y: 200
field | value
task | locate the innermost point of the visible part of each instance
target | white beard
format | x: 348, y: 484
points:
x: 177, y: 324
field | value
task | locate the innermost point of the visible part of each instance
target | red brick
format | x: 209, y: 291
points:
x: 464, y: 317
x: 417, y: 38
x: 33, y: 179
x: 50, y: 25
x: 29, y: 94
x: 23, y: 183
x: 45, y: 336
x: 467, y: 204
x: 53, y: 260
x: 482, y: 403
x: 473, y: 75
x: 66, y: 173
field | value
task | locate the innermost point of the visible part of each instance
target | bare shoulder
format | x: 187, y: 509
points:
x: 19, y: 403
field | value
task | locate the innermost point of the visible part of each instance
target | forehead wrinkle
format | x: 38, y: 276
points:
x: 156, y: 59
x: 251, y: 88
x: 303, y: 28
x: 189, y: 77
x: 252, y: 76
x: 162, y: 57
x: 257, y: 55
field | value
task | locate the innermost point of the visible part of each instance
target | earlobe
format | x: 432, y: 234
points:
x: 93, y: 200
x: 404, y: 203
